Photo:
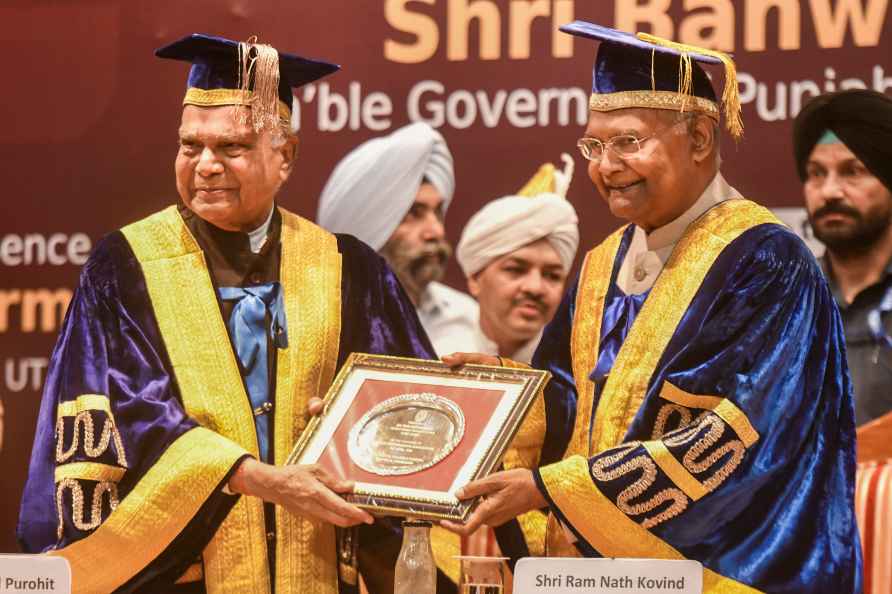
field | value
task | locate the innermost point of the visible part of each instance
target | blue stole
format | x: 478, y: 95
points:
x: 620, y: 312
x: 250, y: 334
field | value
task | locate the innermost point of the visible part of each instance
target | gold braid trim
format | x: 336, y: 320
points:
x: 66, y: 478
x: 594, y: 281
x: 677, y: 473
x: 524, y: 452
x: 70, y: 408
x: 211, y: 385
x: 77, y: 504
x: 610, y: 531
x: 155, y: 511
x: 652, y: 100
x: 636, y: 362
x: 666, y: 413
x: 218, y: 97
x: 631, y: 500
x: 306, y: 552
x: 723, y: 407
x: 698, y: 446
x: 673, y: 393
x: 738, y: 422
x: 89, y: 471
x: 80, y: 409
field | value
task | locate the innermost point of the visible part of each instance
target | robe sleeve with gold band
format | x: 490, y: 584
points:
x: 721, y: 429
x: 145, y: 411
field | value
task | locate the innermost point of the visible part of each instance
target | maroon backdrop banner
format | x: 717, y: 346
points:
x: 90, y: 119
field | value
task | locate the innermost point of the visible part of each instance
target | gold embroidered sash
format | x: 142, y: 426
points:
x: 213, y: 392
x: 654, y: 326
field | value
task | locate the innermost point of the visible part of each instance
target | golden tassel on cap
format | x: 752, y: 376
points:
x: 730, y: 94
x: 260, y: 62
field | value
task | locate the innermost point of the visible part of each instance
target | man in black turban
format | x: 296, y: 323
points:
x: 843, y: 148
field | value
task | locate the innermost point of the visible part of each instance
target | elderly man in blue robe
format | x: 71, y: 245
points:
x: 194, y: 343
x: 700, y: 406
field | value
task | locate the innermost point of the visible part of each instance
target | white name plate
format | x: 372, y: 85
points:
x: 27, y: 574
x: 607, y: 576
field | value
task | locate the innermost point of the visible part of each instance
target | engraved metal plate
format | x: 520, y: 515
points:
x: 406, y: 433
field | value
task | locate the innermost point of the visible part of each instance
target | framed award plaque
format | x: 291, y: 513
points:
x: 410, y: 432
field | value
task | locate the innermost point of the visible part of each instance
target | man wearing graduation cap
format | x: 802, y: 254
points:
x: 843, y: 148
x: 700, y: 406
x: 197, y: 336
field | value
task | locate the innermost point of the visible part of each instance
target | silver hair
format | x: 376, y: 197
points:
x: 690, y: 118
x: 281, y: 135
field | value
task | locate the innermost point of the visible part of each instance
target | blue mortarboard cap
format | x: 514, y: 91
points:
x: 643, y: 70
x: 227, y: 72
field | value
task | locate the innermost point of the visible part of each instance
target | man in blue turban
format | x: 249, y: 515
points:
x: 700, y: 406
x: 843, y: 148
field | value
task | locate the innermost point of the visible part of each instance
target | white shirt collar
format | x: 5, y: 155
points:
x: 257, y: 237
x: 430, y: 300
x: 648, y: 252
x: 717, y: 191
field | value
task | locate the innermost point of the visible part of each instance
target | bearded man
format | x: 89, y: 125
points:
x: 392, y: 193
x: 843, y: 148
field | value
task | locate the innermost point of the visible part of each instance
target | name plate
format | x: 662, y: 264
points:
x: 607, y: 576
x: 34, y: 573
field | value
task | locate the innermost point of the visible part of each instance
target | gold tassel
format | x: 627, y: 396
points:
x: 261, y: 62
x: 730, y: 94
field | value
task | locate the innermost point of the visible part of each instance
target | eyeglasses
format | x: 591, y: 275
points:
x: 623, y: 146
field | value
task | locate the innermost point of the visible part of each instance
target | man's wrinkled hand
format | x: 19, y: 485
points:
x: 506, y: 495
x: 306, y: 490
x: 459, y: 359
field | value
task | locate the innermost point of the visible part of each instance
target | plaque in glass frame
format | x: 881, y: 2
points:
x: 411, y: 432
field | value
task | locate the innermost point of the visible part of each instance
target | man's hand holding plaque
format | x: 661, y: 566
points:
x: 505, y: 495
x: 411, y: 433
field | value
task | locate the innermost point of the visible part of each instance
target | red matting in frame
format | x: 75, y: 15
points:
x: 477, y: 404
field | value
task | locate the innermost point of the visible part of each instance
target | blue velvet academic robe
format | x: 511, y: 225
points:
x: 144, y: 413
x: 723, y: 430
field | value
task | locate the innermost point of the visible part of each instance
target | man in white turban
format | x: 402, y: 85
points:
x: 392, y: 193
x: 516, y: 253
